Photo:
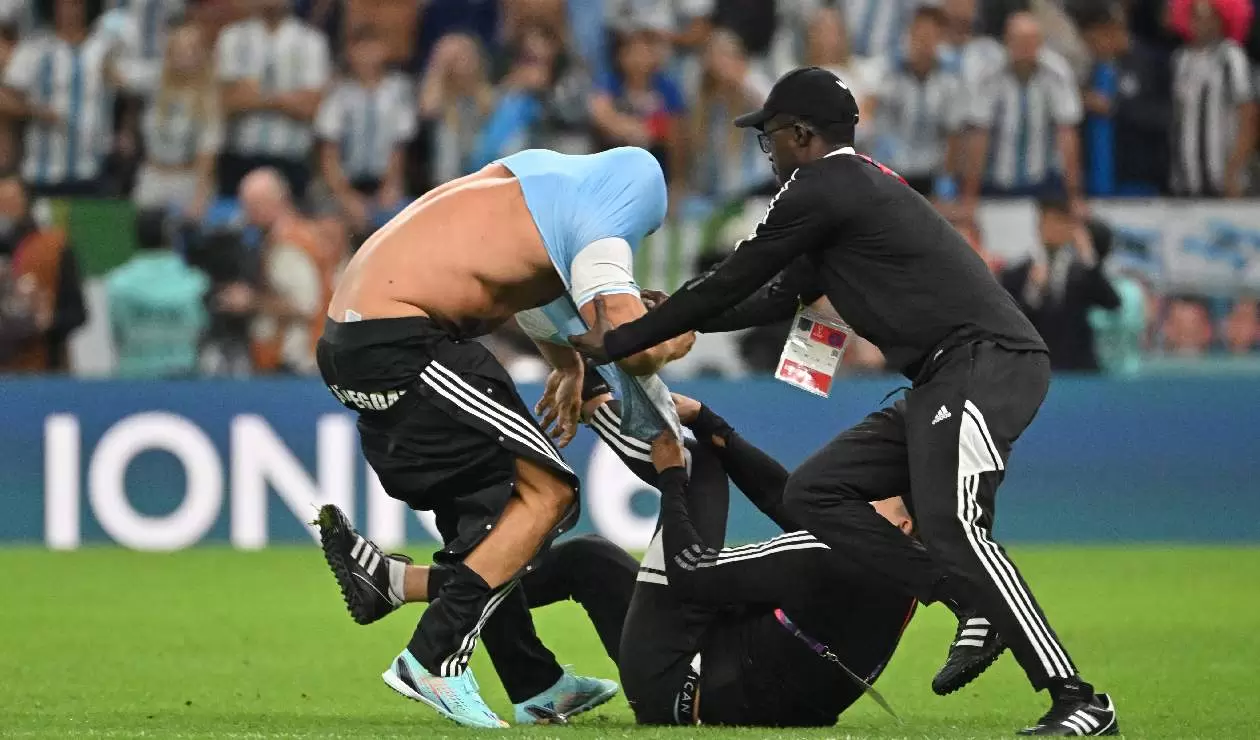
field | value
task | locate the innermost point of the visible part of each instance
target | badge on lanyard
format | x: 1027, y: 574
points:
x: 813, y: 351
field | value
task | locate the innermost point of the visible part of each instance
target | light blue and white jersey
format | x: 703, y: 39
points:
x: 1023, y: 118
x: 876, y: 26
x: 592, y: 211
x: 153, y: 20
x: 915, y: 117
x: 368, y: 124
x: 74, y: 81
x: 142, y: 27
x: 292, y: 58
x: 579, y: 199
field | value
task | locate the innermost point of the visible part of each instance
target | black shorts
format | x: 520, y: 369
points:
x: 440, y: 422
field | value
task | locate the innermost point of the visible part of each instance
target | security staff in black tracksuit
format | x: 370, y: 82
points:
x: 849, y: 229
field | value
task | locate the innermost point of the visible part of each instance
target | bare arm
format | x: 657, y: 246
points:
x: 393, y: 182
x: 676, y: 150
x: 560, y: 357
x: 613, y: 124
x: 954, y: 148
x: 242, y: 96
x: 560, y: 408
x: 300, y: 104
x: 330, y: 166
x: 13, y: 104
x: 1070, y: 149
x: 204, y: 165
x: 1244, y: 145
x: 977, y: 148
x: 245, y: 96
x: 432, y: 92
x: 695, y: 35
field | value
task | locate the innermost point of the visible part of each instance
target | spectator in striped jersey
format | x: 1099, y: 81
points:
x: 273, y: 69
x: 144, y: 26
x: 455, y: 100
x: 875, y: 26
x: 363, y: 127
x: 183, y: 130
x: 917, y: 109
x: 1025, y: 113
x: 1215, y: 110
x: 60, y: 84
x: 965, y: 53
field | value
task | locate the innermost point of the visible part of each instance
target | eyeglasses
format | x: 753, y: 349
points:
x: 763, y: 138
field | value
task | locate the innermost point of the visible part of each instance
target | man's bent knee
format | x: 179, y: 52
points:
x: 542, y: 490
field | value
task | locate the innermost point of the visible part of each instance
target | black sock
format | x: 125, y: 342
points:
x: 1070, y: 689
x: 593, y: 384
x: 444, y: 638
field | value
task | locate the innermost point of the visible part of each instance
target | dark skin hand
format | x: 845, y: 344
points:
x: 667, y: 452
x: 653, y: 298
x: 591, y: 344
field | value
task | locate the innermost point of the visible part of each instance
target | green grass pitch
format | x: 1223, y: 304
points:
x: 211, y: 643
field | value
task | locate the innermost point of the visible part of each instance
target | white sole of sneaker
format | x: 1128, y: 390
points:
x: 397, y: 684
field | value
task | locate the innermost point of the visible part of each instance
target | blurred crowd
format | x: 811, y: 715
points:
x: 262, y: 140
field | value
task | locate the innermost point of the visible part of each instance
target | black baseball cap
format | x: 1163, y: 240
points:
x: 811, y: 93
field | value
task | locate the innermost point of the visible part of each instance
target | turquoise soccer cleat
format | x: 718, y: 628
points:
x: 571, y: 695
x: 458, y: 698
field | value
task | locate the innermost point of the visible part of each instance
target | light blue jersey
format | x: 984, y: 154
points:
x: 577, y: 201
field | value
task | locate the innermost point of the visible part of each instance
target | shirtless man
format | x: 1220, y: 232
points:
x: 440, y: 420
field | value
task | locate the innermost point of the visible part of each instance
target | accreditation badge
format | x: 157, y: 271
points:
x: 811, y: 356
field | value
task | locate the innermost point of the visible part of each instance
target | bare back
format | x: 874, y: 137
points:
x: 466, y: 254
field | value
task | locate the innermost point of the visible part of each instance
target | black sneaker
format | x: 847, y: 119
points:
x: 976, y: 646
x: 360, y: 567
x: 1078, y: 718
